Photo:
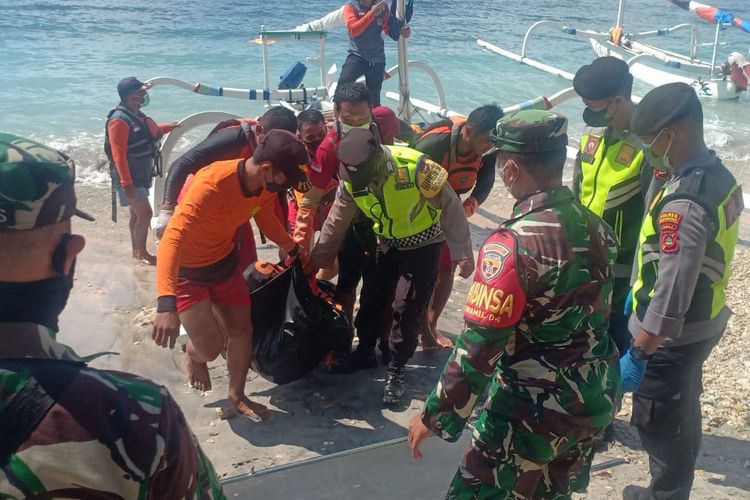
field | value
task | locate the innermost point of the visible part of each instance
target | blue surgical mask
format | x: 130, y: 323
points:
x: 660, y: 163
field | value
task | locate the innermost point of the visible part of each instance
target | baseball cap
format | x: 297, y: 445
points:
x: 37, y: 185
x: 129, y: 85
x: 287, y: 154
x: 530, y: 131
x: 355, y: 151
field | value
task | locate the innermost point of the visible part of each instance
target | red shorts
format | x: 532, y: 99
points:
x: 445, y: 257
x: 232, y: 292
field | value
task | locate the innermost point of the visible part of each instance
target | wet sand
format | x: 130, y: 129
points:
x: 111, y: 309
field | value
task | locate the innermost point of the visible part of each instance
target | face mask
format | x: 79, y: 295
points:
x: 275, y: 187
x: 660, y: 163
x: 598, y: 119
x: 312, y: 146
x: 346, y: 128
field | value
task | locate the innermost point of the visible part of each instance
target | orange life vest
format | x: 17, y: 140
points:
x: 462, y: 171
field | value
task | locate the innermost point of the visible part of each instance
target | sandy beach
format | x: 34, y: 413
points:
x: 111, y: 309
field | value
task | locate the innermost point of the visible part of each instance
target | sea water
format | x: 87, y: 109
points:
x: 60, y: 60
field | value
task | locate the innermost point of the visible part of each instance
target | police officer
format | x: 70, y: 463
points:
x: 611, y: 176
x: 686, y: 246
x: 413, y: 211
x: 70, y: 431
x: 536, y: 328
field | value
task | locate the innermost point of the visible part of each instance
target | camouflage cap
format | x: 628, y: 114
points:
x: 36, y: 185
x: 530, y: 131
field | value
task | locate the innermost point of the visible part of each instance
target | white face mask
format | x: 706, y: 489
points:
x: 346, y: 128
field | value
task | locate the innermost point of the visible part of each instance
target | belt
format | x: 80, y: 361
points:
x: 414, y: 240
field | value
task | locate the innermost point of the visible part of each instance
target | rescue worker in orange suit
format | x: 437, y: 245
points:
x: 366, y: 21
x: 198, y: 280
x: 459, y: 145
x: 230, y: 139
x: 131, y: 145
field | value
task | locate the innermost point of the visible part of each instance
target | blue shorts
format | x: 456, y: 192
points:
x: 140, y: 195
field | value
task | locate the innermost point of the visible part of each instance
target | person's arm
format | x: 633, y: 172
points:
x: 328, y: 22
x: 270, y: 225
x: 355, y: 26
x: 337, y: 223
x: 183, y: 470
x: 454, y: 224
x: 226, y: 144
x: 485, y: 180
x: 684, y: 230
x: 119, y: 133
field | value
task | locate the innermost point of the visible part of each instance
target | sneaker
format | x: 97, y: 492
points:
x: 395, y: 385
x: 635, y: 492
x: 357, y: 360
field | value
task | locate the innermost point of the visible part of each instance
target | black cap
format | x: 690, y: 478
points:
x: 355, y: 149
x: 603, y: 78
x: 287, y: 154
x: 129, y: 85
x: 663, y: 106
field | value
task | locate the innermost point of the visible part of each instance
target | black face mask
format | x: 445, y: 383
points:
x: 595, y: 118
x: 40, y: 302
x: 312, y: 146
x: 275, y: 187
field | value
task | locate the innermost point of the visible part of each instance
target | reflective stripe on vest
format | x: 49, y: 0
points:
x: 718, y: 194
x: 401, y: 211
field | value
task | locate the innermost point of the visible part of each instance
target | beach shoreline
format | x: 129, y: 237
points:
x: 111, y: 309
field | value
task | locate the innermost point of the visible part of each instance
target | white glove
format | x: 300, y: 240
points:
x: 161, y: 224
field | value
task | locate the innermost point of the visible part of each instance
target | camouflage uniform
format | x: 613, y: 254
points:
x: 536, y: 329
x: 69, y: 431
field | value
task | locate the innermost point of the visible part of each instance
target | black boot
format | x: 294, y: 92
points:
x: 385, y: 352
x: 358, y: 360
x: 635, y: 492
x: 395, y: 384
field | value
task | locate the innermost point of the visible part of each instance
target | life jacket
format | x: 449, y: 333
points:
x: 462, y: 172
x: 610, y: 186
x: 401, y: 215
x: 369, y: 44
x: 246, y: 124
x: 716, y: 191
x: 143, y: 150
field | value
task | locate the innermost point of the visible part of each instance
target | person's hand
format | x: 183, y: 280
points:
x: 406, y: 31
x: 130, y: 192
x: 161, y: 224
x: 470, y: 206
x: 631, y: 371
x: 418, y: 432
x: 166, y: 328
x: 465, y: 267
x: 378, y: 8
x: 171, y: 126
x: 310, y: 269
x: 628, y: 309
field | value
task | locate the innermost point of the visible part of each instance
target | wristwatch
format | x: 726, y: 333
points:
x: 638, y: 353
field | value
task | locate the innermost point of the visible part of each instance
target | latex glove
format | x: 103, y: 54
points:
x: 631, y: 371
x: 162, y: 220
x: 470, y: 206
x: 628, y: 304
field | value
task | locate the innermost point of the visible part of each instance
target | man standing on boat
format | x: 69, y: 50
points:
x: 366, y: 21
x: 130, y: 142
x: 199, y: 281
x: 679, y: 313
x: 413, y: 211
x: 459, y: 144
x: 611, y: 176
x: 536, y: 329
x: 68, y: 430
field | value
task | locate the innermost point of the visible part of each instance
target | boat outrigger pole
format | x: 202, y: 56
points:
x: 404, y: 106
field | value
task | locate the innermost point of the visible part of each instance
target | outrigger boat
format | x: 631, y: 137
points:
x: 650, y: 64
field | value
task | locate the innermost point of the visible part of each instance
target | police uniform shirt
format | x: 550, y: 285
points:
x: 680, y: 255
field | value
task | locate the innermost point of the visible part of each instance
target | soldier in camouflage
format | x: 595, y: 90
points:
x: 69, y: 431
x: 536, y: 330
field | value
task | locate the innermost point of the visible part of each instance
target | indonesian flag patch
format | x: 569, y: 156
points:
x: 669, y: 223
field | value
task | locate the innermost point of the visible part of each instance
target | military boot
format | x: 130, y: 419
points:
x: 395, y: 385
x: 635, y: 492
x: 357, y: 360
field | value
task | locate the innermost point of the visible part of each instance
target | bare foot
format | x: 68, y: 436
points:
x: 198, y: 376
x: 433, y: 341
x: 443, y: 341
x: 145, y: 258
x: 250, y: 409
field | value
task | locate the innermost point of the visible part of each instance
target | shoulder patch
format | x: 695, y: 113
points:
x: 669, y: 223
x: 592, y: 144
x: 733, y: 207
x: 626, y: 154
x: 496, y: 298
x: 431, y: 178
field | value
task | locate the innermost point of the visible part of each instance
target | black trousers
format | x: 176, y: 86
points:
x: 355, y: 66
x: 667, y: 413
x: 356, y: 256
x: 409, y: 277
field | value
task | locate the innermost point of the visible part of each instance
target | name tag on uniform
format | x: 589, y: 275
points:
x: 402, y: 178
x: 625, y: 155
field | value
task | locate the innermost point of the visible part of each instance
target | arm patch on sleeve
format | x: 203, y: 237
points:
x: 496, y: 298
x: 431, y: 178
x: 669, y: 223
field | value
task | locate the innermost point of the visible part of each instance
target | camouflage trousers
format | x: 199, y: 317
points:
x: 505, y: 460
